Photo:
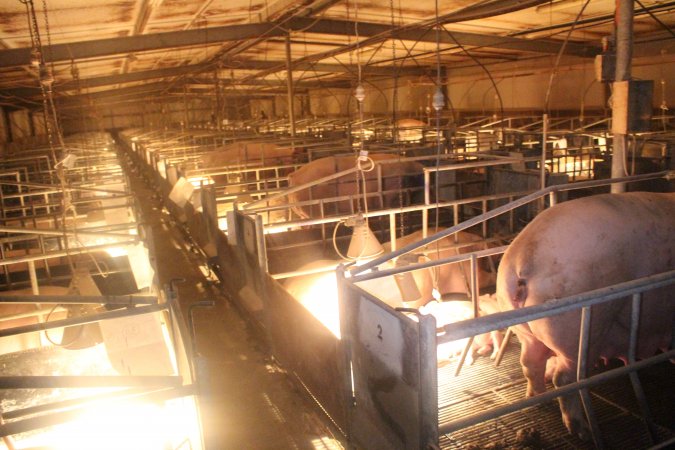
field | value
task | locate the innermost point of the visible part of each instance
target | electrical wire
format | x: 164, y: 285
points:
x: 653, y: 16
x: 75, y: 338
x: 554, y: 72
x: 487, y: 72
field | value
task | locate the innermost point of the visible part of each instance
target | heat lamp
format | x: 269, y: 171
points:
x: 363, y: 244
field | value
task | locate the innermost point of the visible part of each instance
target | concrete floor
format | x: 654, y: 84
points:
x: 246, y: 400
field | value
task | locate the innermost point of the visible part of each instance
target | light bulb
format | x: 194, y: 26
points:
x: 35, y: 57
x: 360, y: 93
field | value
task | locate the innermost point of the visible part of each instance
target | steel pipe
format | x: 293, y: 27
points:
x: 82, y: 320
x: 624, y: 48
x: 61, y: 253
x: 498, y: 211
x: 480, y: 325
x: 125, y: 300
x: 90, y: 381
x: 425, y: 265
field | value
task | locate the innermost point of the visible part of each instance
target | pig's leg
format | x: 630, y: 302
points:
x: 497, y: 338
x: 571, y: 407
x: 533, y: 358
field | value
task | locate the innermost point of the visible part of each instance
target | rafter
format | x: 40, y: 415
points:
x: 157, y: 41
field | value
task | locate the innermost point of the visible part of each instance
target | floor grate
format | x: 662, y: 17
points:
x: 481, y: 386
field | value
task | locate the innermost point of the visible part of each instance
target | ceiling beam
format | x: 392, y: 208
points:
x: 151, y: 89
x: 108, y: 80
x: 322, y: 67
x: 140, y: 89
x: 136, y: 98
x: 225, y: 83
x: 205, y: 36
x: 428, y: 34
x: 146, y: 42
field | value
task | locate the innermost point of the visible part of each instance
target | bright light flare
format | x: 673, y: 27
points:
x: 320, y: 299
x: 199, y: 181
x: 129, y: 425
x: 116, y: 251
x: 582, y: 166
x: 447, y: 313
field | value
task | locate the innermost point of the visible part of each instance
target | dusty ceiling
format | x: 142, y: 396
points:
x: 102, y: 50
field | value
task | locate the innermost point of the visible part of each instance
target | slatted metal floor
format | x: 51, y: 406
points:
x: 482, y: 386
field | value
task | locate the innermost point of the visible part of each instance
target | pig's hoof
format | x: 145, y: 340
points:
x: 484, y: 350
x: 579, y: 428
x: 531, y: 391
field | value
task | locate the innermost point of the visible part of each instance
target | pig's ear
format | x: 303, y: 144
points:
x: 521, y: 293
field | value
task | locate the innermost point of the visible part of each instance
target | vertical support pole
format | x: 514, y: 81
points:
x: 260, y: 242
x: 7, y: 125
x: 392, y: 231
x: 553, y: 199
x: 428, y: 395
x: 33, y: 278
x: 634, y: 378
x: 219, y: 107
x: 380, y: 186
x: 623, y: 21
x: 346, y: 333
x: 485, y: 224
x: 185, y: 110
x: 427, y: 201
x: 542, y: 163
x: 582, y: 372
x: 36, y: 291
x: 474, y: 284
x: 31, y: 123
x: 289, y: 86
x: 541, y: 204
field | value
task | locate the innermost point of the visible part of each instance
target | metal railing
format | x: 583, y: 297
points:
x: 486, y: 324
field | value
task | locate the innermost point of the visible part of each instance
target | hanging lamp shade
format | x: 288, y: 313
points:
x: 363, y: 244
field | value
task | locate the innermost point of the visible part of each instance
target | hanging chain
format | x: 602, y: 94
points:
x: 349, y: 36
x: 37, y: 60
x: 359, y: 100
x: 45, y: 76
x: 46, y: 81
x: 49, y: 37
x: 394, y: 102
x: 50, y: 75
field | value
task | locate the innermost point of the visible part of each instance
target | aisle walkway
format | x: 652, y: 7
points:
x: 247, y: 402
